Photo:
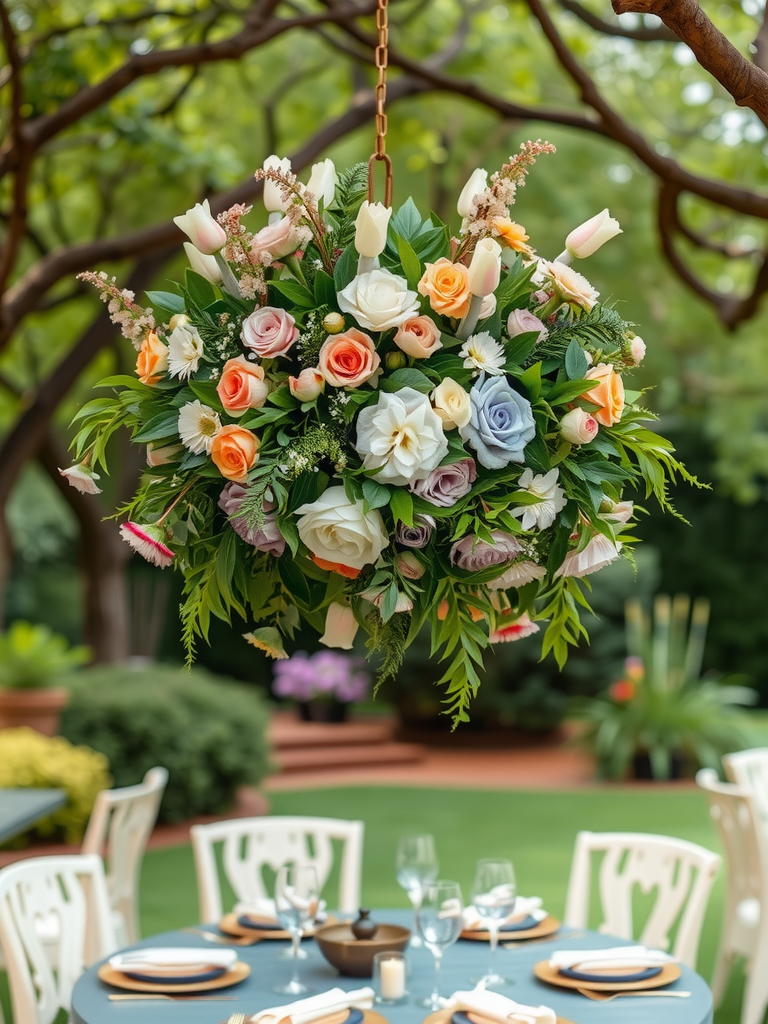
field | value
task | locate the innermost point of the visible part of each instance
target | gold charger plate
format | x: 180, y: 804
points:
x: 444, y: 1017
x: 546, y: 927
x: 668, y: 974
x: 237, y: 973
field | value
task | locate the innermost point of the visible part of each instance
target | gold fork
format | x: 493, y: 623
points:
x: 606, y: 997
x: 236, y: 1018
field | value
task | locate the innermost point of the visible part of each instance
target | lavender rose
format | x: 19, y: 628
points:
x: 265, y: 538
x: 501, y: 423
x: 522, y: 321
x: 447, y: 484
x: 472, y: 554
x: 418, y: 535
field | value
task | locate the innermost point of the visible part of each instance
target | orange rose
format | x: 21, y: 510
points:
x: 152, y: 361
x: 234, y: 451
x: 349, y: 359
x: 338, y: 567
x: 242, y: 386
x: 446, y: 285
x: 607, y: 393
x: 511, y: 234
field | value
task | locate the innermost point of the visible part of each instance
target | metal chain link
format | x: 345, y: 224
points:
x: 381, y: 58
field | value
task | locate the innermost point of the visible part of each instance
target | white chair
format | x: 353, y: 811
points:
x: 745, y: 927
x: 118, y: 830
x: 682, y: 871
x: 250, y: 844
x: 72, y: 890
x: 748, y: 769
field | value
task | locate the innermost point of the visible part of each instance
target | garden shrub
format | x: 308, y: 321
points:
x: 29, y: 759
x: 208, y: 731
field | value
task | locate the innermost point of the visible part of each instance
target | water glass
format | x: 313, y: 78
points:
x: 439, y: 923
x: 297, y: 896
x: 416, y: 865
x: 493, y: 896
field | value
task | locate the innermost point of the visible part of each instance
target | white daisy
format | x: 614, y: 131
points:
x: 542, y: 514
x: 185, y: 346
x: 483, y: 353
x: 198, y: 425
x: 82, y: 479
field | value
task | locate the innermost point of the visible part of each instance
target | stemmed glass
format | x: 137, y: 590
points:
x: 297, y: 896
x: 439, y: 922
x: 493, y: 897
x: 416, y: 865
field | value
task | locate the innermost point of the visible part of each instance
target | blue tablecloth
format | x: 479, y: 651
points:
x: 462, y: 960
x: 20, y: 809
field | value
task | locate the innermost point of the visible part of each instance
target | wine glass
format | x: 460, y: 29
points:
x: 297, y: 896
x: 493, y: 897
x: 416, y: 866
x: 439, y: 923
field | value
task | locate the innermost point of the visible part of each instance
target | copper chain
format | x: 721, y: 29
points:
x: 381, y: 57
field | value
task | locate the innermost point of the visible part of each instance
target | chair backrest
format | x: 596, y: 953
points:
x: 734, y: 813
x: 748, y: 769
x: 72, y: 891
x: 118, y: 830
x: 682, y: 872
x: 250, y: 844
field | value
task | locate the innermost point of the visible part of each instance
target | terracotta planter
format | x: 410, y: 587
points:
x: 38, y: 709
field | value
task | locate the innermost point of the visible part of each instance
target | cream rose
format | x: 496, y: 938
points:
x: 451, y: 403
x: 401, y: 437
x: 308, y: 385
x: 579, y: 426
x: 419, y: 337
x: 336, y: 529
x: 379, y: 300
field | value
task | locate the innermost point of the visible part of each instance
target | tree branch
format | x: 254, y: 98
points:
x: 747, y: 83
x: 644, y: 34
x: 17, y: 218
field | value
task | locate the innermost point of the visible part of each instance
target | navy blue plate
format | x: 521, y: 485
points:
x: 460, y: 1018
x: 355, y: 1017
x: 640, y: 975
x: 251, y: 922
x: 520, y: 926
x: 184, y: 979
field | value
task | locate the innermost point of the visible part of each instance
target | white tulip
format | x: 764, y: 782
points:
x: 340, y: 627
x: 589, y: 236
x: 205, y: 266
x: 478, y: 182
x: 273, y: 197
x: 203, y: 230
x: 371, y: 228
x: 322, y: 182
x: 485, y: 268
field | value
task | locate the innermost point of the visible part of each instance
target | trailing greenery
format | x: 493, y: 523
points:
x: 208, y: 731
x: 33, y: 656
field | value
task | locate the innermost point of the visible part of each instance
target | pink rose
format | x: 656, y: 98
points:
x: 522, y: 321
x: 275, y: 241
x: 579, y: 426
x: 419, y: 337
x: 269, y: 332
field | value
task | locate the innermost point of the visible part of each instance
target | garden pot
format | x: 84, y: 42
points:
x: 641, y: 767
x: 319, y: 710
x: 38, y: 709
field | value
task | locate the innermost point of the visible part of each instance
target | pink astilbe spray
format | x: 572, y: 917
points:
x: 133, y: 320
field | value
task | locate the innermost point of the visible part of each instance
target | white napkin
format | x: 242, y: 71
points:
x: 524, y: 906
x: 303, y: 1011
x: 499, y: 1008
x: 616, y: 956
x: 263, y: 909
x: 186, y: 957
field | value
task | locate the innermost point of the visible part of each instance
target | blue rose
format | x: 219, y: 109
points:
x: 501, y: 424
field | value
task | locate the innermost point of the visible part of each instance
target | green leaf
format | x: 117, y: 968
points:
x: 325, y: 289
x: 293, y: 579
x: 407, y: 221
x: 346, y: 268
x: 168, y: 301
x: 568, y: 391
x: 576, y: 364
x: 406, y: 377
x: 531, y: 381
x: 409, y: 262
x: 165, y: 424
x: 401, y: 504
x: 296, y: 293
x: 200, y: 291
x: 375, y: 495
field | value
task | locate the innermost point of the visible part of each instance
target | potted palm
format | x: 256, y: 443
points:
x: 663, y: 718
x: 33, y: 659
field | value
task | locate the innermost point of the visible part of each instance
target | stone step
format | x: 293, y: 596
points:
x: 287, y: 732
x: 314, y: 759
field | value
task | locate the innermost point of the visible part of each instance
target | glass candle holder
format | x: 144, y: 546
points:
x: 390, y: 970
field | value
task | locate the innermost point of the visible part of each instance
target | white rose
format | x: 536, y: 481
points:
x: 338, y: 530
x: 379, y: 300
x: 451, y: 403
x: 401, y: 436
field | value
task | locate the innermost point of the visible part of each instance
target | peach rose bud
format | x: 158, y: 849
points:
x: 152, y: 360
x: 578, y: 426
x: 308, y: 385
x: 205, y: 266
x: 485, y: 268
x: 637, y: 350
x: 161, y: 456
x: 234, y: 452
x: 589, y: 236
x: 241, y: 386
x: 340, y: 627
x: 203, y: 230
x: 273, y: 197
x: 419, y: 337
x: 334, y: 323
x: 371, y: 228
x: 478, y: 182
x: 409, y: 565
x: 608, y: 393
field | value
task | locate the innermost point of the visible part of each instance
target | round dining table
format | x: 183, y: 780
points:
x: 464, y: 960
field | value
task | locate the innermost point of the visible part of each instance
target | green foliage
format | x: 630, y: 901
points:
x: 33, y: 656
x: 208, y: 731
x: 28, y: 759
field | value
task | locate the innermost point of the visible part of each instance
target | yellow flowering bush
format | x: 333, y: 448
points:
x: 29, y: 759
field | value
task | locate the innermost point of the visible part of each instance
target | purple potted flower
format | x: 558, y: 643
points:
x: 323, y: 684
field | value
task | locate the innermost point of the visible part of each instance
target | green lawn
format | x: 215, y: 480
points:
x: 535, y: 830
